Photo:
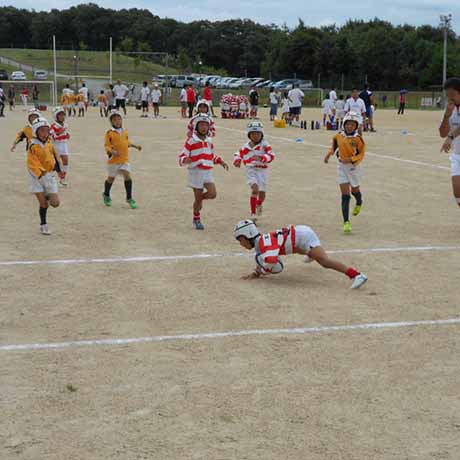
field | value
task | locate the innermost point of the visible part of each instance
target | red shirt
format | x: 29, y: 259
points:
x: 191, y: 95
x: 208, y: 93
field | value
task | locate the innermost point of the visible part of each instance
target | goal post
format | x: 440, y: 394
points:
x: 46, y: 91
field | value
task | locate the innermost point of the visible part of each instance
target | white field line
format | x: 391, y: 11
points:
x: 377, y: 155
x: 221, y: 335
x: 122, y: 259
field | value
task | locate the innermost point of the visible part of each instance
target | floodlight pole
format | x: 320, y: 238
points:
x: 110, y: 60
x: 55, y: 72
x: 446, y: 19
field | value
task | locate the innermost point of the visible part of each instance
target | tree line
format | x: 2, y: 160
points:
x: 387, y: 56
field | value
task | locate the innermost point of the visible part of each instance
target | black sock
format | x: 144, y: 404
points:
x: 43, y: 215
x: 129, y: 189
x: 358, y: 197
x: 346, y: 207
x: 107, y: 187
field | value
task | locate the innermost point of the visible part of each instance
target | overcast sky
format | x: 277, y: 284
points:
x: 313, y: 12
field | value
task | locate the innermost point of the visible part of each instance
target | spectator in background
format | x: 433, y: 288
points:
x: 402, y: 102
x: 35, y: 96
x: 367, y: 96
x: 84, y: 90
x: 110, y: 99
x: 191, y: 100
x: 254, y: 102
x: 286, y: 106
x: 145, y: 95
x: 296, y: 96
x: 207, y: 94
x: 384, y: 100
x: 333, y: 95
x: 11, y: 96
x: 25, y: 96
x: 120, y: 92
x: 183, y: 102
x: 2, y: 101
x: 156, y: 100
x: 274, y: 102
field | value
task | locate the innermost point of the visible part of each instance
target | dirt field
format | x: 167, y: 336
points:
x: 388, y: 391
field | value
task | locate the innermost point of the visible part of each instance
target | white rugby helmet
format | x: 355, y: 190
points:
x: 57, y: 111
x: 113, y: 113
x: 33, y: 111
x: 352, y: 116
x: 203, y: 102
x: 201, y: 118
x: 39, y: 123
x: 246, y: 228
x: 255, y: 127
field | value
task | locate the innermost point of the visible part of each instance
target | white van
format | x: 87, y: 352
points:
x: 181, y: 80
x: 40, y: 74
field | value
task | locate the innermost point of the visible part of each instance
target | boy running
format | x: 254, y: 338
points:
x: 294, y: 239
x: 26, y: 133
x: 202, y: 108
x: 350, y: 149
x: 60, y: 135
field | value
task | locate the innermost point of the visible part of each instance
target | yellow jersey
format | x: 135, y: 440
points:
x: 25, y: 133
x: 41, y: 158
x: 348, y: 147
x: 118, y: 140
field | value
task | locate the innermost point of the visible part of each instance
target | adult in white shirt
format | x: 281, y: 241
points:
x: 333, y: 95
x: 295, y: 96
x: 145, y: 94
x: 121, y: 92
x: 183, y: 102
x: 328, y: 110
x: 357, y: 105
x: 156, y: 99
x: 84, y: 90
x: 450, y: 130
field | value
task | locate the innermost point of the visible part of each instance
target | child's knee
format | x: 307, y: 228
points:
x: 212, y: 195
x: 54, y: 202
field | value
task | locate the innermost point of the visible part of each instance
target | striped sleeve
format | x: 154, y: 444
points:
x: 186, y: 151
x: 268, y: 156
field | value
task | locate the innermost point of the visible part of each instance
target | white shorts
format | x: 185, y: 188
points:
x: 259, y: 177
x: 81, y: 105
x: 198, y: 177
x: 62, y: 148
x: 306, y: 238
x: 455, y: 164
x: 113, y: 169
x: 349, y: 174
x: 102, y: 105
x: 47, y: 184
x: 340, y: 113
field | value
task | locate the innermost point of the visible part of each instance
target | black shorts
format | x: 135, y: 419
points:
x: 145, y: 104
x: 120, y: 103
x: 294, y: 110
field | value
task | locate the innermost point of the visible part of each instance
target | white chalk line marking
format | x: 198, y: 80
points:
x: 220, y: 335
x: 123, y: 259
x: 372, y: 154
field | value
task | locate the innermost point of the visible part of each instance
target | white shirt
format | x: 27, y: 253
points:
x: 454, y: 123
x: 84, y: 90
x: 67, y: 91
x: 340, y: 106
x: 156, y: 96
x: 333, y: 96
x: 357, y: 106
x: 328, y: 106
x: 120, y: 91
x: 274, y: 98
x: 296, y: 96
x: 183, y: 95
x: 145, y: 93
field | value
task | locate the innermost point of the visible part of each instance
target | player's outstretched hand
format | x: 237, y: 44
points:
x: 446, y: 146
x: 139, y: 148
x: 252, y: 276
x: 12, y: 149
x: 187, y: 161
x: 326, y: 159
x: 225, y: 166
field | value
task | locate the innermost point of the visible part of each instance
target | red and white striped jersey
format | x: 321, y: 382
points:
x: 270, y: 246
x: 59, y: 132
x: 201, y: 152
x: 190, y: 127
x: 258, y: 156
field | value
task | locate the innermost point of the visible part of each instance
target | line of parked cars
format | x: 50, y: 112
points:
x: 19, y: 75
x: 216, y: 81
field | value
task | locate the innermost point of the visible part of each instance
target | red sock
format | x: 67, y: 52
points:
x: 253, y: 204
x: 196, y: 216
x: 259, y: 201
x: 352, y: 273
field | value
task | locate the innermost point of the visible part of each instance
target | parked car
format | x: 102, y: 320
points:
x: 237, y: 84
x: 289, y: 84
x: 40, y: 74
x: 3, y: 74
x: 181, y: 80
x: 264, y: 84
x: 18, y: 75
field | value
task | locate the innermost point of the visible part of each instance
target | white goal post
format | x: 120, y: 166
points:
x: 47, y: 97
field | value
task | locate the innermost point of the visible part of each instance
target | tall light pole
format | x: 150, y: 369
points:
x: 446, y: 19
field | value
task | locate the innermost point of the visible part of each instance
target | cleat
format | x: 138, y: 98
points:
x: 107, y: 200
x: 359, y: 280
x: 44, y: 229
x: 198, y: 225
x: 63, y: 182
x: 357, y: 209
x: 347, y: 228
x: 260, y: 210
x: 132, y: 203
x: 253, y: 217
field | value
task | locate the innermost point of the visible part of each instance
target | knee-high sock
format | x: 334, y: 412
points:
x: 129, y: 189
x: 107, y: 187
x: 43, y: 212
x: 346, y: 207
x: 358, y: 197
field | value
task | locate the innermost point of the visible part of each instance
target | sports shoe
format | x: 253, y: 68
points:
x: 63, y: 182
x: 357, y: 209
x: 132, y: 203
x: 359, y: 280
x: 260, y: 210
x: 347, y: 227
x: 253, y: 217
x: 198, y: 225
x: 44, y: 229
x: 107, y: 200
